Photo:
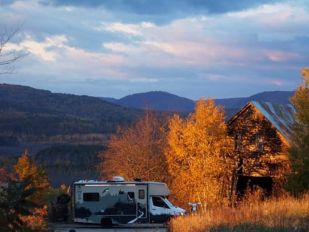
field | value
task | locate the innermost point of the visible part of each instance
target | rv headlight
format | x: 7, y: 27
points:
x: 182, y: 212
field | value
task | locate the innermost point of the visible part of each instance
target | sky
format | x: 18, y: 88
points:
x: 192, y: 48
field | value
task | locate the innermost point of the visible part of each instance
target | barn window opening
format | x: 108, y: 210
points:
x: 259, y: 142
x: 238, y: 142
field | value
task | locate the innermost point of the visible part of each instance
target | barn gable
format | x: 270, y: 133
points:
x: 280, y: 116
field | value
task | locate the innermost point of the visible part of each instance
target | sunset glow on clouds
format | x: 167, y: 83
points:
x: 115, y: 48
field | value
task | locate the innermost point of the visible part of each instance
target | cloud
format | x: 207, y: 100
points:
x: 162, y: 11
x: 43, y: 50
x: 216, y: 41
x: 55, y: 55
x: 260, y: 47
x: 280, y: 56
x: 162, y: 6
x: 129, y: 29
x: 118, y: 47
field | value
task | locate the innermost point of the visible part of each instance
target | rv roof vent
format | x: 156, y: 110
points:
x: 118, y: 179
x: 138, y: 179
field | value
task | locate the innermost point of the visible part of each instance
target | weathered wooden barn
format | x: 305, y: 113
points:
x: 262, y: 138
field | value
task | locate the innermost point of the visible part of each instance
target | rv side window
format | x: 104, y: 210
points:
x: 91, y: 197
x: 157, y: 201
x: 141, y: 194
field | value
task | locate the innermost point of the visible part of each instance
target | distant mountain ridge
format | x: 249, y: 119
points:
x: 276, y: 97
x: 164, y: 101
x: 157, y: 100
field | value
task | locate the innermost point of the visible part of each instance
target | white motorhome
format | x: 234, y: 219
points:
x: 122, y: 202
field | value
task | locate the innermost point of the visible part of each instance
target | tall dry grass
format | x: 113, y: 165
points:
x: 284, y: 214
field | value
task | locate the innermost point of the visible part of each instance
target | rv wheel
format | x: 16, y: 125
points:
x: 106, y: 222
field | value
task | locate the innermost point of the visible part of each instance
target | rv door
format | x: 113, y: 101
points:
x: 159, y: 209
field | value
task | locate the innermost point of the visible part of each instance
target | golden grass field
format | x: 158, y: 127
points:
x: 281, y: 215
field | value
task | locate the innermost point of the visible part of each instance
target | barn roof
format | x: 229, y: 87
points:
x: 280, y: 116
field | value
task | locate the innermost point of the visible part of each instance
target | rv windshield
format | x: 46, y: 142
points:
x: 168, y: 202
x: 159, y: 202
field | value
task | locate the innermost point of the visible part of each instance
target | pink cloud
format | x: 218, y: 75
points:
x: 280, y: 56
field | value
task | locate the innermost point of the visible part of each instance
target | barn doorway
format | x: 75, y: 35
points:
x: 250, y: 183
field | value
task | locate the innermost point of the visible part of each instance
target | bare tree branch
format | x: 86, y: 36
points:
x: 9, y: 57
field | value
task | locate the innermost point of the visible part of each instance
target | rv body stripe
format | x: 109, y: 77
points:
x: 108, y: 185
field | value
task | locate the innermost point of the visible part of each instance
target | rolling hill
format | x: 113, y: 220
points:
x: 277, y: 97
x: 29, y: 115
x: 157, y: 100
x: 164, y: 101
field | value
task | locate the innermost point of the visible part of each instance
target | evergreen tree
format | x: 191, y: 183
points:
x: 27, y: 170
x: 15, y: 203
x: 298, y: 181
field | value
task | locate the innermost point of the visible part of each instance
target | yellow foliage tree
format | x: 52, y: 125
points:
x: 198, y: 156
x: 26, y: 169
x: 137, y: 151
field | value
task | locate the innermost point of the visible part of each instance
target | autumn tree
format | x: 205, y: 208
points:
x: 198, y: 156
x: 137, y: 151
x: 27, y: 169
x: 298, y: 182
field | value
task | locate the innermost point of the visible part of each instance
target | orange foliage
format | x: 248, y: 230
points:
x: 137, y: 151
x: 198, y: 156
x: 36, y: 221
